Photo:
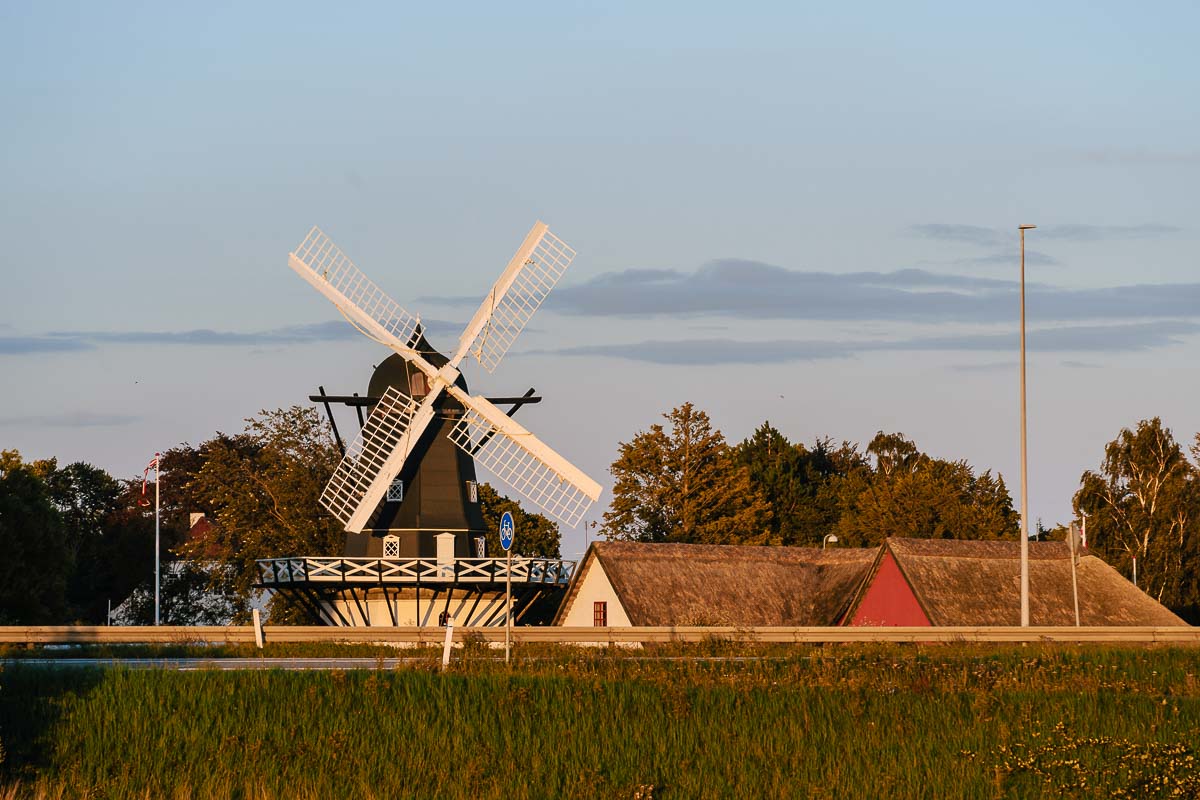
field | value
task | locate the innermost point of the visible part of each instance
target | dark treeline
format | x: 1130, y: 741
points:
x: 75, y: 538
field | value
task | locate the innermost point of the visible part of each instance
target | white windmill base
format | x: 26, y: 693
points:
x: 412, y: 592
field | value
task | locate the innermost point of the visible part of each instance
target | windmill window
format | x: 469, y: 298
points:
x: 416, y: 384
x: 472, y: 492
x: 600, y: 614
x: 395, y: 492
x: 391, y: 547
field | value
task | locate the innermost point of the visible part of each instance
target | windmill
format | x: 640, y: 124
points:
x: 422, y: 394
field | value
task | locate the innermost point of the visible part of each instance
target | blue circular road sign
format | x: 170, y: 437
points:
x: 507, y: 530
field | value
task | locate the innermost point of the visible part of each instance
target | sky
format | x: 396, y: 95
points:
x: 797, y: 213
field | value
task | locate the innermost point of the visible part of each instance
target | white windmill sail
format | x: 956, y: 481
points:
x: 372, y: 462
x: 537, y: 265
x: 319, y: 261
x: 397, y: 422
x: 523, y: 461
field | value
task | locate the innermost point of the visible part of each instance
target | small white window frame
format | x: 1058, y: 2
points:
x: 395, y: 491
x: 391, y: 546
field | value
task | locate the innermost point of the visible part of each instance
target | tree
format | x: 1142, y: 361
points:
x: 37, y: 560
x: 261, y: 489
x: 186, y: 598
x: 799, y: 484
x: 684, y: 486
x: 89, y: 500
x: 909, y: 493
x: 536, y: 535
x: 1144, y: 503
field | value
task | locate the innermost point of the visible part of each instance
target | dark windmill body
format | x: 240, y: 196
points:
x: 436, y: 491
x: 407, y: 489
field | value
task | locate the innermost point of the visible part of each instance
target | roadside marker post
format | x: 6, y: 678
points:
x: 508, y: 531
x: 448, y: 643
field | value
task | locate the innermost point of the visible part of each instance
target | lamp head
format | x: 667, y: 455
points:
x: 1026, y: 227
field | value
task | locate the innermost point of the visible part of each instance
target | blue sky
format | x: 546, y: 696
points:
x: 798, y: 213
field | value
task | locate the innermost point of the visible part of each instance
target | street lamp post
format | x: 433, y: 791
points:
x: 1024, y: 453
x: 829, y: 537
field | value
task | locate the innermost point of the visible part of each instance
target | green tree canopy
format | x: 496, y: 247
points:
x: 261, y: 489
x: 90, y: 502
x: 1144, y: 503
x: 912, y: 494
x: 537, y: 536
x: 684, y: 485
x: 37, y: 559
x: 799, y: 484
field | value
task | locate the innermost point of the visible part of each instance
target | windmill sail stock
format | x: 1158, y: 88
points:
x: 533, y: 271
x: 397, y: 422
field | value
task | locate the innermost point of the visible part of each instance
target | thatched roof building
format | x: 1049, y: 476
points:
x: 950, y: 582
x: 701, y: 584
x: 940, y: 582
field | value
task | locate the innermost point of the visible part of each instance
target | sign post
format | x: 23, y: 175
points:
x: 507, y: 532
x: 1073, y: 537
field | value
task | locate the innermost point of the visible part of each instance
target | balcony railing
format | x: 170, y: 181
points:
x: 413, y: 571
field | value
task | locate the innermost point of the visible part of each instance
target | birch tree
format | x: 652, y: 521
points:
x: 1143, y: 503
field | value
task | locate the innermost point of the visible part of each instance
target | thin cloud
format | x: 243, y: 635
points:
x: 1104, y: 233
x: 1033, y: 258
x: 753, y: 290
x: 695, y: 352
x: 336, y: 330
x: 1076, y: 339
x: 1141, y: 157
x: 1088, y: 338
x: 966, y: 234
x: 1002, y: 366
x: 1067, y: 232
x: 74, y: 419
x: 33, y: 345
x: 330, y: 331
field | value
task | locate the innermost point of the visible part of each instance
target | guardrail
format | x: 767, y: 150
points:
x: 646, y: 635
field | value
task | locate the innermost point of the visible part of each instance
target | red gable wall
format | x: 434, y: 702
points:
x: 889, y: 601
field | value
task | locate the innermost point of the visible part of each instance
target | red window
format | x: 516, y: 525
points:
x: 600, y: 614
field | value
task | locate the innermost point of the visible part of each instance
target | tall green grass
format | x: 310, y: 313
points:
x: 827, y: 722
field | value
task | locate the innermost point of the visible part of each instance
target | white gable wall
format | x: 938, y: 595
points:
x: 595, y: 588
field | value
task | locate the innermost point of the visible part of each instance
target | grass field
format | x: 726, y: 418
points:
x: 850, y: 721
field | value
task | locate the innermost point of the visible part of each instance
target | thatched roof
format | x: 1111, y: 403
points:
x: 697, y: 584
x: 959, y: 582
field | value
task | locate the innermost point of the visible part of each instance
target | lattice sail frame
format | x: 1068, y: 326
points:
x: 397, y: 422
x: 336, y: 277
x: 511, y: 306
x: 366, y: 460
x: 518, y: 466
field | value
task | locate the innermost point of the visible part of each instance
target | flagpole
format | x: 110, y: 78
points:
x: 156, y: 550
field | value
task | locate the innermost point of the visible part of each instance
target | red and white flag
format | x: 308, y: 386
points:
x: 153, y: 465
